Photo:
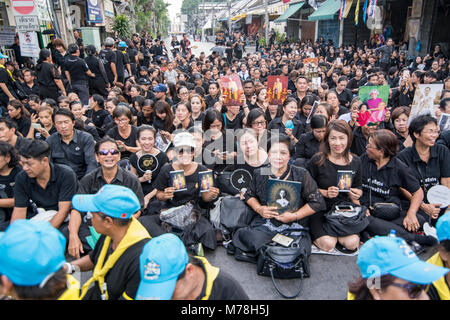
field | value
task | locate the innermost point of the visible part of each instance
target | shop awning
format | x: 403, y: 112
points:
x: 290, y: 12
x: 326, y: 11
x: 239, y: 17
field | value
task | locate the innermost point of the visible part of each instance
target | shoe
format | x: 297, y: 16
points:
x: 429, y: 230
x: 231, y: 249
x: 344, y: 250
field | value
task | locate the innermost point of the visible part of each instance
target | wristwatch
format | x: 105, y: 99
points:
x: 70, y: 268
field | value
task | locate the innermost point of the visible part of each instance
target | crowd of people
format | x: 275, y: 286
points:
x: 90, y: 142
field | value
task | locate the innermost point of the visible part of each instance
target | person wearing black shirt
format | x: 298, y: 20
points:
x: 47, y: 185
x: 20, y: 115
x: 132, y: 54
x: 345, y: 96
x: 48, y: 77
x: 361, y: 137
x: 108, y: 155
x: 399, y: 118
x: 353, y: 84
x: 324, y: 168
x: 175, y: 46
x: 122, y: 62
x: 29, y: 86
x: 384, y: 177
x: 9, y: 168
x: 97, y: 113
x: 70, y: 146
x: 6, y: 84
x: 117, y: 251
x: 124, y: 133
x: 108, y: 57
x: 185, y: 45
x: 234, y: 117
x: 100, y: 83
x: 309, y: 143
x: 196, y: 278
x: 79, y: 41
x: 77, y: 72
x: 8, y: 130
x: 267, y: 222
x: 213, y: 96
x: 289, y: 112
x: 428, y: 162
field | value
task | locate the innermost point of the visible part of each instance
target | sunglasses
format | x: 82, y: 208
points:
x: 105, y: 152
x: 185, y: 150
x: 414, y: 290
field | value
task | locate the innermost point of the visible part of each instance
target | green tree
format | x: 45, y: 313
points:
x: 122, y: 26
x: 152, y: 16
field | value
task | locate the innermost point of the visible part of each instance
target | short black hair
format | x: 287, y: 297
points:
x: 443, y: 103
x: 342, y: 78
x: 102, y: 141
x: 319, y: 121
x: 418, y: 124
x: 8, y: 150
x: 99, y: 99
x: 64, y: 112
x: 72, y: 48
x: 9, y: 123
x: 36, y: 149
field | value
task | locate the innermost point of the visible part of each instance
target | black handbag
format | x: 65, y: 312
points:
x: 383, y: 210
x: 223, y: 180
x: 291, y: 262
x: 235, y: 214
x: 340, y: 223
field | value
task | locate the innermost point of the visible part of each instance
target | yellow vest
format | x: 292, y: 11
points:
x: 440, y: 285
x: 350, y: 296
x: 135, y: 233
x: 73, y: 289
x: 211, y: 275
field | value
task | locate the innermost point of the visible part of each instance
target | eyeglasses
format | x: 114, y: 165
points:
x: 105, y: 152
x: 414, y: 290
x: 258, y: 123
x: 370, y: 146
x: 185, y: 150
x: 431, y: 132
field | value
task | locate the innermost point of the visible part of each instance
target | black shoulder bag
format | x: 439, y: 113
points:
x: 277, y: 261
x: 383, y: 210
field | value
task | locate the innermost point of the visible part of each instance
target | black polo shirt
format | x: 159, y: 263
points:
x: 77, y: 69
x: 277, y: 123
x: 108, y: 56
x: 307, y: 146
x: 123, y: 277
x: 359, y: 142
x: 34, y: 89
x: 430, y: 173
x: 385, y: 183
x: 78, y: 154
x: 94, y: 181
x: 224, y: 287
x: 60, y: 188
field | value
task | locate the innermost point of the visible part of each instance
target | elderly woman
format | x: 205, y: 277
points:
x: 268, y: 222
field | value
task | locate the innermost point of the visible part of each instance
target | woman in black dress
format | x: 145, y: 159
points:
x: 100, y: 83
x: 309, y: 143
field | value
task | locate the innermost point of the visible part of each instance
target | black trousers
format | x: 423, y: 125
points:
x: 48, y: 92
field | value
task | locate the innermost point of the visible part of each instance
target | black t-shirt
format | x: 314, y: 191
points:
x: 38, y: 135
x: 345, y: 97
x: 132, y: 53
x: 307, y: 146
x: 129, y: 141
x: 46, y: 75
x: 77, y: 69
x: 216, y: 163
x: 359, y: 142
x: 430, y: 173
x: 108, y: 56
x: 60, y: 188
x: 236, y: 123
x: 23, y: 125
x: 327, y: 176
x: 181, y: 197
x: 146, y: 186
x: 93, y: 64
x: 277, y: 123
x: 7, y: 188
x: 6, y: 79
x: 121, y: 61
x: 385, y: 182
x: 124, y: 277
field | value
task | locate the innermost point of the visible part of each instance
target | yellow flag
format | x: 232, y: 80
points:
x: 356, y: 13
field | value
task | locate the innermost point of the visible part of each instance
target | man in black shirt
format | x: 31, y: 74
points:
x: 70, y: 146
x: 108, y: 173
x: 185, y: 45
x: 79, y: 41
x: 109, y: 60
x: 167, y: 272
x: 42, y: 184
x: 115, y: 258
x: 8, y: 130
x: 122, y: 62
x: 344, y: 94
x: 6, y: 86
x: 30, y: 85
x: 77, y: 72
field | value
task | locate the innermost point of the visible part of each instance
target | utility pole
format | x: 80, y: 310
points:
x: 229, y: 17
x: 133, y: 19
x: 204, y: 20
x: 266, y: 19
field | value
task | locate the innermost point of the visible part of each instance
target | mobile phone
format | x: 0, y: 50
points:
x: 344, y: 208
x: 36, y: 126
x: 282, y: 240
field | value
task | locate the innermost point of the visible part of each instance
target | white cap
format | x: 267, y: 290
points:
x: 184, y: 139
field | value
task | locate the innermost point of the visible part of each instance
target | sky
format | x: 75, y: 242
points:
x: 174, y: 8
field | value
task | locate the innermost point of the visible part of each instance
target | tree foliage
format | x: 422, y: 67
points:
x: 152, y: 16
x: 122, y: 26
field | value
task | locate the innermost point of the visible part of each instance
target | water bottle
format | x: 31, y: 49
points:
x: 392, y: 233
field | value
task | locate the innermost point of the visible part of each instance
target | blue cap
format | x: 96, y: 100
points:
x: 162, y: 260
x: 31, y: 251
x: 112, y: 200
x: 443, y: 227
x: 392, y: 255
x: 2, y: 56
x: 161, y: 88
x: 122, y: 44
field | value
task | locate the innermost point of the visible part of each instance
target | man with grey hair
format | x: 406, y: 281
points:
x: 108, y: 57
